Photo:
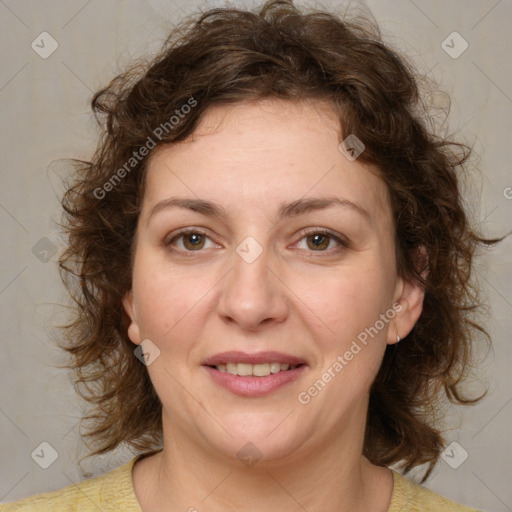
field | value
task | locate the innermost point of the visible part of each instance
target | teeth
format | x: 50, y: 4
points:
x: 261, y: 370
x: 275, y: 367
x: 254, y: 370
x: 244, y: 369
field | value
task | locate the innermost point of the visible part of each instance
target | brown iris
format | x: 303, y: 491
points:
x: 318, y: 241
x: 193, y: 241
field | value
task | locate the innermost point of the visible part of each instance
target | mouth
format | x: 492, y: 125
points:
x: 254, y: 370
x: 254, y: 375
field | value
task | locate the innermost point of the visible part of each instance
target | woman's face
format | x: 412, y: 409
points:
x: 260, y: 245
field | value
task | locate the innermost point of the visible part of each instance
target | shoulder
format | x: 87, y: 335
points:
x: 414, y: 498
x: 110, y: 492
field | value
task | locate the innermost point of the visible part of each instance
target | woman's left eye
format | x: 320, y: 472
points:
x: 320, y: 241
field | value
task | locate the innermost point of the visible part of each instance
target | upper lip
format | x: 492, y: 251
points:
x: 259, y: 357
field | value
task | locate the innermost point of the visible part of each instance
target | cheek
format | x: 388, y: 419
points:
x: 154, y: 295
x: 354, y: 340
x: 347, y: 301
x: 168, y: 303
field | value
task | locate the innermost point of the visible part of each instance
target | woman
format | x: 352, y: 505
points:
x: 272, y: 265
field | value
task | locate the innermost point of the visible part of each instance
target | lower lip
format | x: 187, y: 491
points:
x: 254, y: 386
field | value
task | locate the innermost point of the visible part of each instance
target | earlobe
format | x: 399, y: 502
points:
x: 129, y: 307
x: 410, y: 298
x: 411, y: 303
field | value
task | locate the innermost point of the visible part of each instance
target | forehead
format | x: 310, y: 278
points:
x: 262, y: 153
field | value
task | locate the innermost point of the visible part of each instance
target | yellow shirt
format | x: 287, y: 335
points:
x: 113, y: 492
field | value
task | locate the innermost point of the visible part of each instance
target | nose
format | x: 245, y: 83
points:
x: 253, y: 295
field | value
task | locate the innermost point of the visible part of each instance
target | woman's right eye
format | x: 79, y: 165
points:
x: 191, y: 241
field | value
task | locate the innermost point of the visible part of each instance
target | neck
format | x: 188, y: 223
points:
x: 333, y: 477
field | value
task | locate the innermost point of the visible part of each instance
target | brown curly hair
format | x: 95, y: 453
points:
x: 227, y: 56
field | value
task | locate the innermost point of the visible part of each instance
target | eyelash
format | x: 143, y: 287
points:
x: 342, y: 243
x: 180, y: 234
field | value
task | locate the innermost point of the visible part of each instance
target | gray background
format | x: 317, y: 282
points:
x: 45, y: 117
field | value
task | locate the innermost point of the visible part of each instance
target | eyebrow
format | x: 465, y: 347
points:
x: 298, y: 207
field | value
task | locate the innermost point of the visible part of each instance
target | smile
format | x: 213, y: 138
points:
x: 254, y: 370
x: 251, y: 384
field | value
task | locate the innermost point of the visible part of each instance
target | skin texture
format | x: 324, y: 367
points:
x: 294, y: 298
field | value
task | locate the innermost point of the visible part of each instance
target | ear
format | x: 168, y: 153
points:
x: 409, y: 295
x: 133, y: 328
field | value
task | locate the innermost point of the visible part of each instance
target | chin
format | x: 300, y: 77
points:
x: 263, y: 439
